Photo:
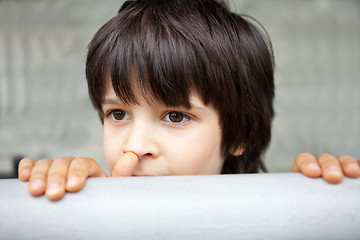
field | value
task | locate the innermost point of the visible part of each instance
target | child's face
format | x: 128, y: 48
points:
x: 168, y: 141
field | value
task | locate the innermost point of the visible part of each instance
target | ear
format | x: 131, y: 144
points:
x: 237, y: 151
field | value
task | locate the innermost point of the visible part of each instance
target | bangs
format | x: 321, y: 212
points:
x: 165, y: 56
x: 147, y: 51
x: 152, y: 60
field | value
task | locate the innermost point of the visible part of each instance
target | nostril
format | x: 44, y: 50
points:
x: 148, y: 155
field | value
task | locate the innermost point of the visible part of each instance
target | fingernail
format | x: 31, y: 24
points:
x: 73, y: 181
x: 313, y: 167
x: 25, y: 172
x: 53, y: 188
x: 352, y: 166
x: 37, y: 184
x: 334, y: 170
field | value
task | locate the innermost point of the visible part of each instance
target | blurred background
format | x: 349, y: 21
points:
x: 45, y: 109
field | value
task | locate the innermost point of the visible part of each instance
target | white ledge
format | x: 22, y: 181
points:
x: 250, y: 206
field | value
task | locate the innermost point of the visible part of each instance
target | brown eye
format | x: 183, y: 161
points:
x: 177, y: 117
x: 118, y: 115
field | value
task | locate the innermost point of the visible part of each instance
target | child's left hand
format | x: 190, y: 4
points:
x: 331, y: 168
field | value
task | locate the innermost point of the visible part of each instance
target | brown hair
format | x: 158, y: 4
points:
x: 175, y: 47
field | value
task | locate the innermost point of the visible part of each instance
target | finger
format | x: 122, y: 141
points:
x: 349, y: 165
x: 80, y: 169
x: 38, y: 177
x: 25, y: 167
x: 55, y: 186
x: 307, y: 164
x: 126, y: 165
x: 331, y: 169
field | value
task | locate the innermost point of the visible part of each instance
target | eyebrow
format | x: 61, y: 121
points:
x: 111, y: 101
x: 116, y: 101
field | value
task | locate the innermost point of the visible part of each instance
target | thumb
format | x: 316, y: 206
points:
x: 125, y: 166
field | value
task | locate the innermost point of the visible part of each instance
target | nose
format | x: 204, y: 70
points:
x: 141, y: 138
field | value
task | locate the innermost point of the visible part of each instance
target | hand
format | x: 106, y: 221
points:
x: 331, y: 168
x: 126, y: 165
x: 56, y: 177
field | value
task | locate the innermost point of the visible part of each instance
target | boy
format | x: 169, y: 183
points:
x: 181, y: 87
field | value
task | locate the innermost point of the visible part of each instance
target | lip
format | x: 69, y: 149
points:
x: 141, y: 175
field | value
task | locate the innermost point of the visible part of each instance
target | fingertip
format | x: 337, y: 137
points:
x: 24, y: 174
x: 306, y: 163
x: 74, y: 184
x: 312, y: 170
x: 333, y: 179
x: 54, y: 192
x: 302, y: 161
x: 349, y: 165
x: 126, y: 165
x: 352, y: 170
x: 37, y: 187
x: 333, y: 175
x: 24, y: 168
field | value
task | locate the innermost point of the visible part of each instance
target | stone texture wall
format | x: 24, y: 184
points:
x: 45, y: 110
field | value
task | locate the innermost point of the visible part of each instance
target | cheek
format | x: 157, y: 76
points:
x: 209, y: 160
x: 200, y: 155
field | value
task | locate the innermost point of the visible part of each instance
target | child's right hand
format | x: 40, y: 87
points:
x: 56, y: 177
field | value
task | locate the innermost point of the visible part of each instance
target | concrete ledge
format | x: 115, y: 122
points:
x: 250, y: 206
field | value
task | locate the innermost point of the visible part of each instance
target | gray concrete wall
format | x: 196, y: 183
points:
x: 251, y: 206
x: 45, y: 110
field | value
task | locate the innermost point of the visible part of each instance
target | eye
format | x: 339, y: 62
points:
x: 118, y: 115
x: 177, y: 117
